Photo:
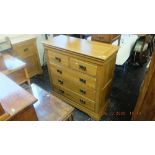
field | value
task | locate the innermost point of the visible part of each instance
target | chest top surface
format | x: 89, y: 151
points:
x: 81, y: 46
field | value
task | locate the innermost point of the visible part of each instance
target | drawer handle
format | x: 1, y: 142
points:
x: 82, y: 91
x: 82, y: 80
x: 82, y: 101
x: 59, y: 71
x: 61, y: 91
x: 60, y: 81
x: 82, y: 67
x: 26, y: 49
x: 58, y: 59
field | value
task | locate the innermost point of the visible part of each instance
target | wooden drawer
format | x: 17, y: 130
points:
x: 57, y: 58
x: 73, y: 86
x: 75, y: 97
x: 102, y: 38
x: 25, y: 49
x: 83, y: 67
x: 77, y: 77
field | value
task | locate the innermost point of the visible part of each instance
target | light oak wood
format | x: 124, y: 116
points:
x: 83, y: 75
x: 14, y: 69
x: 26, y: 50
x: 145, y: 106
x: 15, y: 101
x: 81, y: 79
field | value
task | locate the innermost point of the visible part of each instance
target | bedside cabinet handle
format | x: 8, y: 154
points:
x: 60, y: 81
x: 61, y: 91
x: 82, y: 91
x: 82, y: 101
x: 59, y: 71
x: 26, y: 49
x: 58, y: 59
x: 82, y: 67
x: 82, y: 80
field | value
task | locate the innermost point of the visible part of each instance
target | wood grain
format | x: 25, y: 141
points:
x: 145, y: 106
x: 13, y: 98
x: 83, y: 75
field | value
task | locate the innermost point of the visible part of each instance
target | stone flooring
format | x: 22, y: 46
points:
x: 124, y: 94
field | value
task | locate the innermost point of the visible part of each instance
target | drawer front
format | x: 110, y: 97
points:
x: 102, y: 38
x: 75, y: 97
x: 57, y: 58
x: 79, y: 78
x: 24, y: 50
x: 73, y: 86
x: 83, y: 67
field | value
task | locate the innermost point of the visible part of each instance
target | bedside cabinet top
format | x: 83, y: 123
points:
x: 100, y: 51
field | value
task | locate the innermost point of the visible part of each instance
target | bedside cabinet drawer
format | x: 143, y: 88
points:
x: 24, y: 50
x: 79, y: 78
x: 57, y: 58
x: 83, y: 67
x: 75, y: 97
x: 71, y: 85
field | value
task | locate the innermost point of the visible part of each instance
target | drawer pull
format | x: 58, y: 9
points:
x: 82, y: 67
x: 61, y: 91
x: 82, y: 91
x: 82, y: 101
x: 26, y: 49
x: 82, y: 80
x: 59, y: 71
x: 58, y: 59
x: 60, y: 81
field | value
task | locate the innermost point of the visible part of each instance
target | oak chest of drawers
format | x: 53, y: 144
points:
x: 26, y: 50
x: 81, y: 72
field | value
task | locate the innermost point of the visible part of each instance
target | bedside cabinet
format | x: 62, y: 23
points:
x: 81, y: 72
x: 26, y: 50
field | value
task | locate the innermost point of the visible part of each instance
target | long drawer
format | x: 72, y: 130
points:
x: 75, y: 97
x: 79, y: 78
x: 68, y: 83
x: 55, y: 57
x: 84, y: 67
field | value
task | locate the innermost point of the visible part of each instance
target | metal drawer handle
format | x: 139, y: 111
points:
x: 58, y: 59
x: 82, y: 101
x: 26, y: 49
x: 61, y: 91
x: 60, y: 81
x: 59, y: 71
x: 82, y: 80
x: 82, y: 91
x: 82, y: 67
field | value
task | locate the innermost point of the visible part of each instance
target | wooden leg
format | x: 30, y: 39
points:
x: 27, y: 76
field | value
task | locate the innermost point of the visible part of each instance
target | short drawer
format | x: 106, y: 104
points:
x: 79, y: 78
x: 57, y: 58
x: 83, y: 67
x: 73, y: 86
x: 24, y: 50
x: 75, y: 97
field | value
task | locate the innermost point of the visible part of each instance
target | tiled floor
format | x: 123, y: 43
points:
x: 124, y: 94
